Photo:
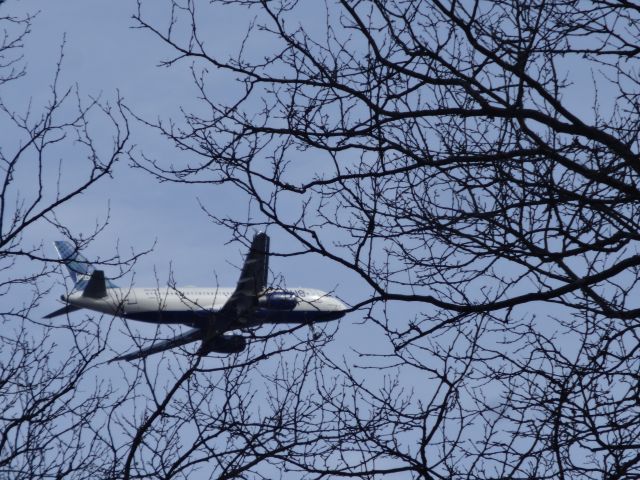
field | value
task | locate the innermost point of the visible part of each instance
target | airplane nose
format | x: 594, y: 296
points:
x: 339, y: 306
x: 63, y: 298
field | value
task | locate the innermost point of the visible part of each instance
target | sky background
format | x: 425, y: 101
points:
x: 105, y: 58
x: 104, y: 55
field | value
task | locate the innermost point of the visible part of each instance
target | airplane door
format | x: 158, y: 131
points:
x: 131, y: 298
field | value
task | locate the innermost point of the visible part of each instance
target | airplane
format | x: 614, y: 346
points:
x: 210, y: 312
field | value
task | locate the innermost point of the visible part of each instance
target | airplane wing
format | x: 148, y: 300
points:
x: 187, y: 337
x: 253, y: 280
x: 63, y: 311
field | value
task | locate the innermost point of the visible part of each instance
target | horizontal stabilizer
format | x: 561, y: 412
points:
x: 96, y: 287
x: 63, y: 311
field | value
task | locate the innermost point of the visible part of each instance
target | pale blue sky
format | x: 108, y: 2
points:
x: 104, y: 55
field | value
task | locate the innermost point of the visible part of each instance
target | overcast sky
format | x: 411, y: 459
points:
x: 104, y: 55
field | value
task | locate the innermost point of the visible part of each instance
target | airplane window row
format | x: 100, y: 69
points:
x: 222, y: 294
x: 187, y: 292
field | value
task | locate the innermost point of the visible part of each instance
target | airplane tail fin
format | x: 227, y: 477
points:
x: 79, y: 268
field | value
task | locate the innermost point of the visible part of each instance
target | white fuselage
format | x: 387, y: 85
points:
x: 195, y: 305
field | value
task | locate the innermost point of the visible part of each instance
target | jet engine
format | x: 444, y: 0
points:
x: 223, y: 344
x: 278, y: 300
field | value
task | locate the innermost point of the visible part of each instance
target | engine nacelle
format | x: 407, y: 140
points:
x: 224, y: 344
x: 278, y: 300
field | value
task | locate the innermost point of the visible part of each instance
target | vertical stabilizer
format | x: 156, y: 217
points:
x: 79, y: 268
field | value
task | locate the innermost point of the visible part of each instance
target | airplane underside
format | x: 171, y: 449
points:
x: 197, y: 319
